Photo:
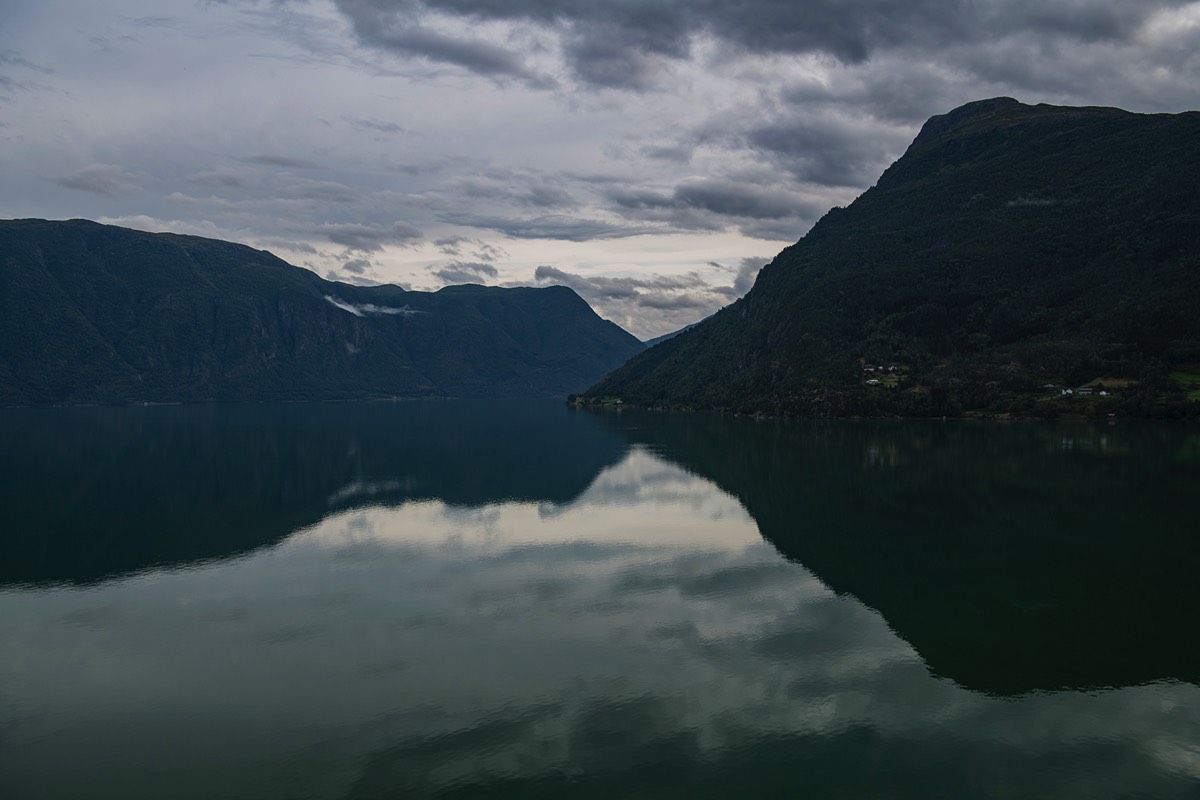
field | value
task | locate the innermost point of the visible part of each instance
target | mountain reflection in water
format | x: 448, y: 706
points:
x: 1014, y: 557
x: 409, y: 600
x: 95, y: 493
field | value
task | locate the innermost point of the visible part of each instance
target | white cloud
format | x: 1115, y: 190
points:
x: 363, y: 309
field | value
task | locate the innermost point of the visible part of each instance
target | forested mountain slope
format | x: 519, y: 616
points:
x: 95, y: 313
x: 1012, y: 252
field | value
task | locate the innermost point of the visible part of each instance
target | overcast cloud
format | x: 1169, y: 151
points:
x: 641, y: 151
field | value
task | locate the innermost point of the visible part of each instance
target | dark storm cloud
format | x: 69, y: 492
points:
x: 641, y: 199
x: 626, y: 50
x: 610, y: 65
x: 730, y: 198
x: 907, y: 92
x: 1082, y: 20
x: 451, y: 245
x: 665, y: 28
x: 827, y: 152
x: 395, y: 27
x: 357, y: 266
x: 1160, y: 78
x: 546, y: 197
x: 775, y: 230
x: 712, y: 204
x: 465, y: 272
x: 621, y: 44
x: 477, y: 56
x: 369, y: 238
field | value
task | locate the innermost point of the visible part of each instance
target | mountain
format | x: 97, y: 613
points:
x: 1012, y: 252
x: 92, y: 313
x: 671, y: 335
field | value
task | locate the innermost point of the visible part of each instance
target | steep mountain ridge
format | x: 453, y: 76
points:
x: 1012, y: 248
x: 96, y: 313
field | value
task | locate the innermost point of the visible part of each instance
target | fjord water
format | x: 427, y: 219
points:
x: 519, y: 600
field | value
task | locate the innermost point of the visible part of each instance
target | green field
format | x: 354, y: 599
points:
x: 1189, y: 382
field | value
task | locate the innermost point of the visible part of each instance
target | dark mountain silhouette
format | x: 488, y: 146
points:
x: 1013, y: 250
x: 94, y: 313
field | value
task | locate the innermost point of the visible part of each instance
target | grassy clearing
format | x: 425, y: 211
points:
x: 1189, y: 382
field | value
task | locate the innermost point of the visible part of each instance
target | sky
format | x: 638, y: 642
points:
x: 650, y: 154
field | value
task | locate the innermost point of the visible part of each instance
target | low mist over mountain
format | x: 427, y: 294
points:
x: 1013, y: 252
x: 95, y: 313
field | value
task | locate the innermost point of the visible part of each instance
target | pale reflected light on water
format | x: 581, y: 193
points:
x: 640, y: 639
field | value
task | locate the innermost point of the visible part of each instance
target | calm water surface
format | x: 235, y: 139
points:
x: 461, y: 600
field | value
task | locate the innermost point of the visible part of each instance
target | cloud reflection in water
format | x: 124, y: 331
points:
x: 640, y: 639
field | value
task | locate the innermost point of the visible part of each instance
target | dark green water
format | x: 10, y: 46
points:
x: 466, y: 600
